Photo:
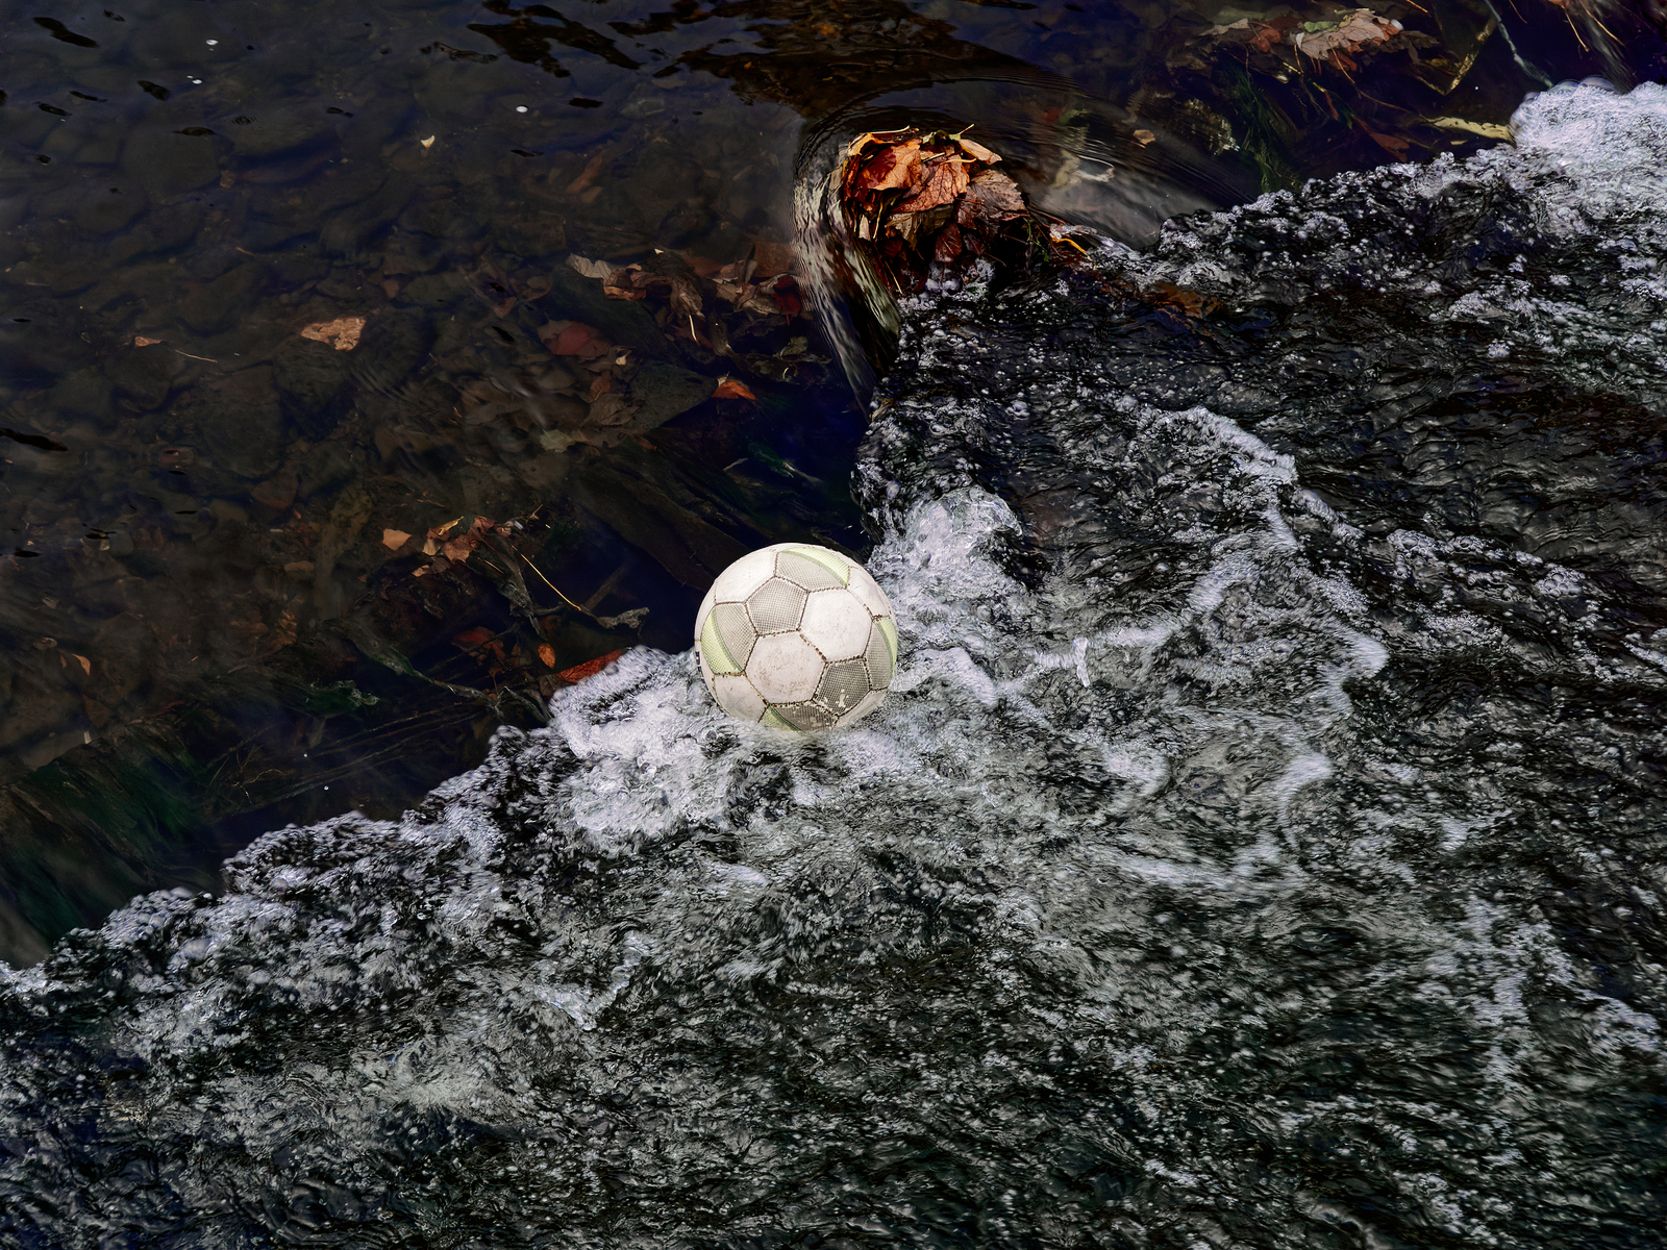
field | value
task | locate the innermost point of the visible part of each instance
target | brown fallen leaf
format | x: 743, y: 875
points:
x: 1258, y: 35
x: 949, y: 245
x: 590, y: 667
x: 977, y: 151
x: 393, y: 540
x: 462, y: 546
x: 893, y: 168
x: 773, y: 258
x: 588, y: 174
x: 547, y: 654
x: 1145, y: 138
x: 86, y: 664
x: 945, y: 179
x: 1360, y: 29
x: 991, y: 198
x: 729, y: 388
x: 787, y: 296
x: 139, y: 340
x: 1396, y: 146
x: 342, y: 333
x: 1268, y: 36
x: 573, y: 338
x: 426, y: 143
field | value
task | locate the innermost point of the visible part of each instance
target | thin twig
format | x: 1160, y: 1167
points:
x: 551, y: 585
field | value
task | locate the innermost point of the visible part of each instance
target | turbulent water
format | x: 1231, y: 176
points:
x: 1263, y: 844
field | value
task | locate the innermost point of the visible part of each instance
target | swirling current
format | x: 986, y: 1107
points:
x: 1263, y: 844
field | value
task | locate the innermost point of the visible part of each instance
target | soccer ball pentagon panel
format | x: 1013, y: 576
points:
x: 797, y: 637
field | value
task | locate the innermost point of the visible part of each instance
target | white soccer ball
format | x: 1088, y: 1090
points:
x: 798, y: 637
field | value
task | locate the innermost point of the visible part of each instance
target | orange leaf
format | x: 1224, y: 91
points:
x: 590, y: 667
x: 393, y: 540
x: 342, y: 333
x: 547, y: 653
x: 139, y: 340
x: 729, y: 388
x: 470, y: 639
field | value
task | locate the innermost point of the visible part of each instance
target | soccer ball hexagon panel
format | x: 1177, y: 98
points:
x: 797, y: 637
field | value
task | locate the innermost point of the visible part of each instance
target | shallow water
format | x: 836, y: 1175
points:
x: 1262, y: 844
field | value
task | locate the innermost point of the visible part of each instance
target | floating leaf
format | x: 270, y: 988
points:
x: 547, y: 654
x: 393, y: 540
x: 139, y: 340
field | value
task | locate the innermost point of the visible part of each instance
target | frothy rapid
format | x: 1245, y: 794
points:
x: 1262, y: 845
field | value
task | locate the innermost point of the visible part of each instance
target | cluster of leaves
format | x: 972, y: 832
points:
x: 735, y: 311
x: 1288, y: 42
x: 462, y: 556
x: 1313, y: 86
x: 920, y: 198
